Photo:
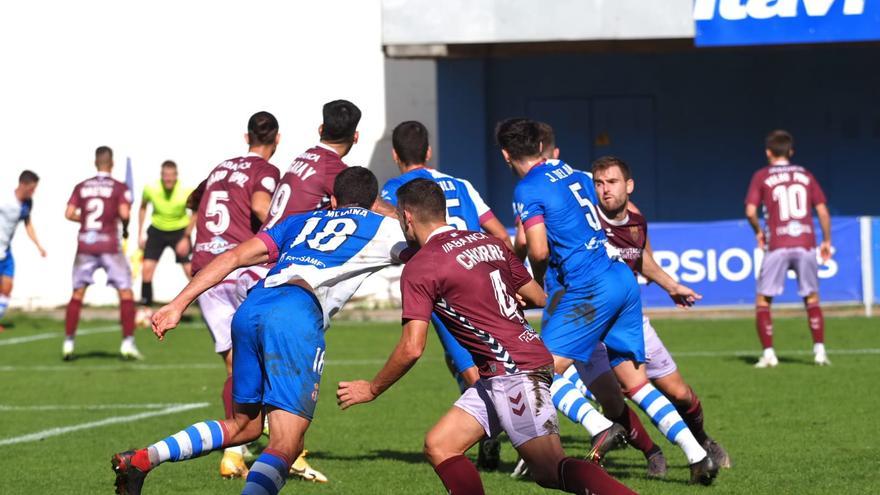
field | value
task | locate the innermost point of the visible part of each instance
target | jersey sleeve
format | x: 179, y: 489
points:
x: 518, y: 271
x: 817, y: 195
x: 74, y: 197
x: 389, y: 192
x: 418, y: 289
x: 529, y: 206
x: 483, y: 210
x: 195, y: 197
x: 753, y: 196
x: 26, y: 209
x: 274, y: 237
x: 330, y: 173
x: 389, y: 239
x: 266, y: 179
x: 124, y: 193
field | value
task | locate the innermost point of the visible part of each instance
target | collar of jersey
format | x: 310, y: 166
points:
x: 326, y: 147
x: 439, y: 230
x: 535, y: 167
x: 616, y: 223
x: 103, y: 174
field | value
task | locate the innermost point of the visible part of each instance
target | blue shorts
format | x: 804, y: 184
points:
x: 278, y: 349
x: 609, y: 310
x: 7, y: 265
x: 460, y: 357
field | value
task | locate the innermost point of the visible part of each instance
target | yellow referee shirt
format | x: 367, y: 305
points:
x: 169, y: 208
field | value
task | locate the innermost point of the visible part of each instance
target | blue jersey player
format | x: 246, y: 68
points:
x: 278, y: 332
x: 557, y: 208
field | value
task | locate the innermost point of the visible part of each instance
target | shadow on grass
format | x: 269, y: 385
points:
x: 97, y: 355
x: 374, y: 455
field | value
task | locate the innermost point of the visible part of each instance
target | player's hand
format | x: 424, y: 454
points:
x: 43, y: 253
x: 825, y: 251
x: 762, y: 241
x: 142, y: 242
x: 165, y: 319
x: 356, y: 392
x: 683, y: 296
x: 181, y: 249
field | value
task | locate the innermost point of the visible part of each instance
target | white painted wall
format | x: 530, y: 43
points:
x: 166, y: 80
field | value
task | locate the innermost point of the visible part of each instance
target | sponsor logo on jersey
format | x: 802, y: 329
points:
x: 217, y: 245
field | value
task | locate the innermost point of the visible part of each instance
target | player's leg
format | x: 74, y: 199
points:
x: 5, y: 293
x: 153, y: 249
x: 268, y: 474
x: 181, y: 248
x: 770, y: 283
x: 119, y: 276
x: 446, y: 443
x: 84, y: 266
x: 806, y: 267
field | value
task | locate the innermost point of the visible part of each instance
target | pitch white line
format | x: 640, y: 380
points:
x: 115, y: 367
x: 53, y: 335
x: 54, y: 432
x: 755, y: 352
x: 87, y: 407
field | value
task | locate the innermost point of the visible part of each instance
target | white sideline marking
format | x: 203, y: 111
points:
x: 87, y: 407
x: 756, y: 352
x: 52, y: 335
x: 53, y: 432
x: 116, y: 367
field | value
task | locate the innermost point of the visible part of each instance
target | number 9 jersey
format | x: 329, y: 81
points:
x: 564, y: 200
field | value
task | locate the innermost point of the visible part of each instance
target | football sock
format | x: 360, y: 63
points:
x: 573, y: 375
x: 147, y: 293
x: 576, y: 476
x: 198, y: 439
x: 764, y: 324
x: 126, y: 317
x: 817, y: 323
x: 71, y: 317
x: 693, y: 417
x: 4, y: 303
x: 459, y: 476
x: 635, y: 431
x: 667, y: 420
x: 268, y: 474
x: 575, y: 406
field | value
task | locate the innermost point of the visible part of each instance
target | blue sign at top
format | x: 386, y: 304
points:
x: 774, y: 22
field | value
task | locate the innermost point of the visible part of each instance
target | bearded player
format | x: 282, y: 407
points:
x: 232, y: 203
x: 472, y: 281
x: 320, y: 260
x: 788, y: 193
x: 99, y: 205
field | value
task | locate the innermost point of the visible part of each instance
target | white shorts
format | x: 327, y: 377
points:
x: 519, y: 405
x: 115, y: 265
x: 777, y: 263
x: 658, y: 361
x: 219, y: 303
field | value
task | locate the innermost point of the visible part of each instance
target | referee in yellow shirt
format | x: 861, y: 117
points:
x: 170, y: 226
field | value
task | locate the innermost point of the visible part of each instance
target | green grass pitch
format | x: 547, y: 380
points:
x: 795, y: 429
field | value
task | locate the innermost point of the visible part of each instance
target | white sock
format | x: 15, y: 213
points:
x: 819, y: 349
x: 666, y: 418
x: 128, y: 340
x: 576, y: 407
x: 769, y: 353
x: 238, y: 449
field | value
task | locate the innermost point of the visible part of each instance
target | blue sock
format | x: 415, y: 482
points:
x: 268, y: 474
x: 4, y: 303
x: 569, y: 401
x: 666, y: 418
x: 574, y: 377
x: 196, y: 440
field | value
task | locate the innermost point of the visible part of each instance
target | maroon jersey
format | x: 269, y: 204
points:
x: 627, y: 237
x: 788, y: 193
x: 98, y: 201
x: 307, y: 184
x: 224, y: 214
x: 469, y: 279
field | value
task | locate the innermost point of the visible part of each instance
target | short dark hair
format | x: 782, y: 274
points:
x: 605, y: 162
x: 356, y: 186
x: 169, y: 164
x: 103, y: 150
x: 341, y: 118
x: 28, y: 177
x: 424, y: 199
x: 548, y: 137
x: 262, y: 128
x: 520, y: 137
x: 410, y: 142
x: 780, y: 143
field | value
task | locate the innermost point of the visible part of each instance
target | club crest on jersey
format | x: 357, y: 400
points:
x: 634, y: 232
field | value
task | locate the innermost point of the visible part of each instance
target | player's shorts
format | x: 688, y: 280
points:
x: 278, y: 336
x: 776, y: 264
x: 7, y: 265
x: 219, y: 303
x: 609, y: 310
x: 158, y: 240
x: 519, y: 405
x: 460, y: 357
x: 115, y: 265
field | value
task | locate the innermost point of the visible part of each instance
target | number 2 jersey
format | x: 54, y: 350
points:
x: 333, y: 251
x: 98, y: 201
x: 470, y: 279
x: 225, y: 218
x: 788, y: 193
x: 564, y: 200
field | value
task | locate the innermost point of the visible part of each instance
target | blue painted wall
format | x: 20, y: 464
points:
x: 691, y: 124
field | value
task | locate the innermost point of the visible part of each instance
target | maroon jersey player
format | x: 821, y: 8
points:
x: 99, y: 205
x: 308, y: 182
x: 788, y: 194
x: 232, y: 204
x: 472, y: 281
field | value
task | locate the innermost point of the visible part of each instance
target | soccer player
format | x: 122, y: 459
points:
x: 170, y: 226
x: 557, y: 209
x: 278, y: 331
x: 14, y: 208
x: 308, y: 183
x: 472, y: 280
x: 627, y: 233
x: 232, y: 203
x: 99, y: 205
x: 465, y: 210
x: 788, y: 193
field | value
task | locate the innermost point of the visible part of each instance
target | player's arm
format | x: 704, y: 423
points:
x: 72, y: 213
x: 520, y: 247
x: 681, y: 295
x: 184, y: 245
x: 532, y: 295
x: 825, y: 224
x: 752, y: 217
x: 32, y: 234
x: 142, y: 216
x: 260, y: 203
x: 495, y: 228
x: 538, y: 250
x: 250, y: 252
x: 408, y: 350
x: 124, y: 215
x: 383, y: 207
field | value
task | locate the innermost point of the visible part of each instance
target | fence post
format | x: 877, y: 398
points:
x: 865, y: 232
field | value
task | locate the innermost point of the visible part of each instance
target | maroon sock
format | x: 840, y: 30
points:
x: 576, y: 476
x: 71, y: 317
x: 227, y: 398
x: 817, y: 323
x: 460, y: 476
x: 126, y: 317
x: 635, y: 431
x: 693, y: 417
x: 764, y: 324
